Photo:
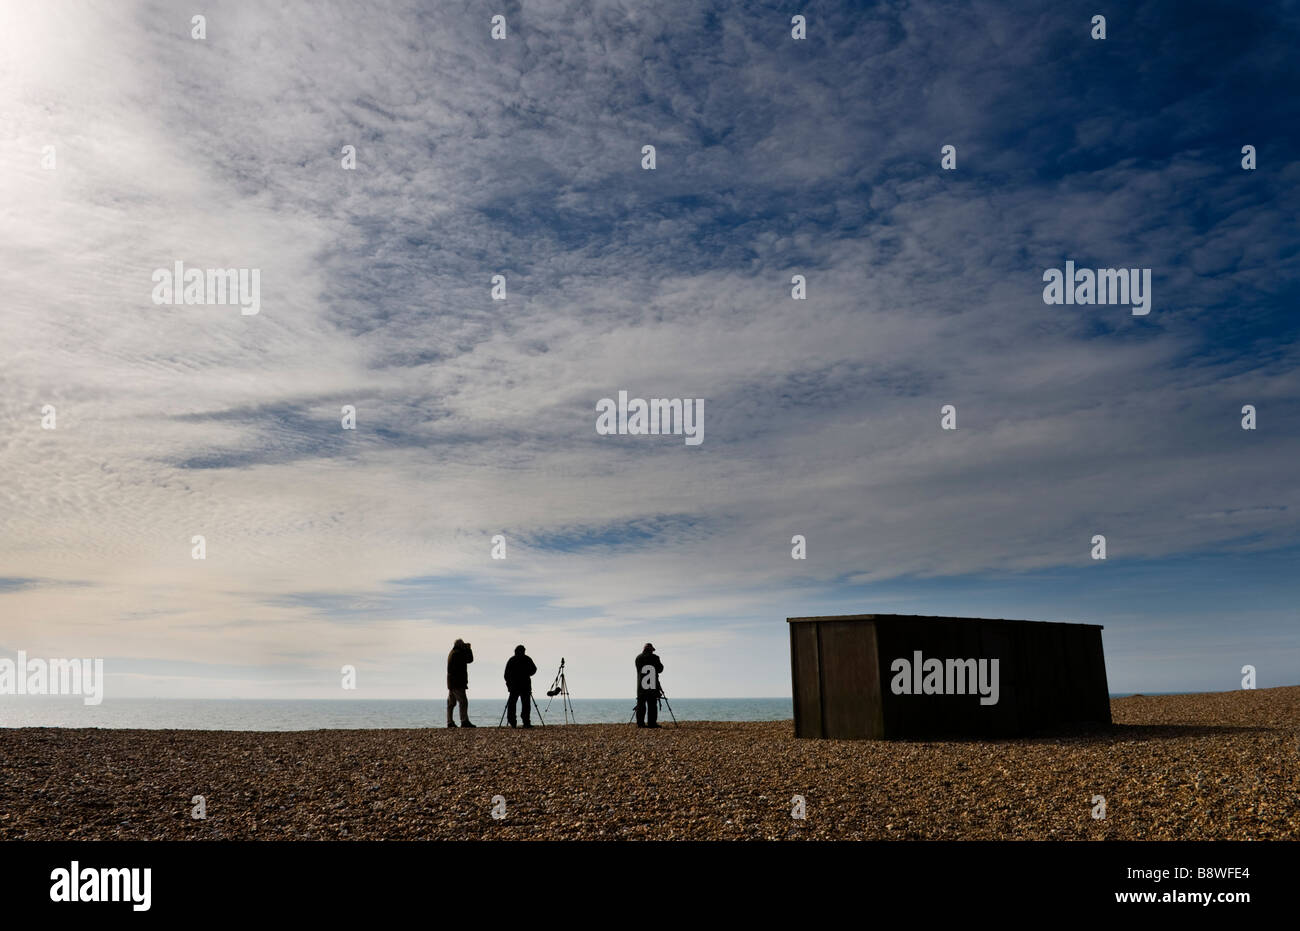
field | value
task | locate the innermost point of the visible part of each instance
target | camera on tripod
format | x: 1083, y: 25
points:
x: 560, y: 687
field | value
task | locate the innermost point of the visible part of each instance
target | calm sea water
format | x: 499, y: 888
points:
x: 305, y: 715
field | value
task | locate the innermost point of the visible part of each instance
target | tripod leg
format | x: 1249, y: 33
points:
x: 664, y: 699
x: 538, y: 710
x: 565, y: 701
x: 670, y: 711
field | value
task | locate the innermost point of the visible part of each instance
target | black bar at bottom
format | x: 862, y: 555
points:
x: 332, y: 879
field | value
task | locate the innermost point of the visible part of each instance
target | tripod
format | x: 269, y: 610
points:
x: 561, y: 687
x: 661, y: 697
x: 510, y: 701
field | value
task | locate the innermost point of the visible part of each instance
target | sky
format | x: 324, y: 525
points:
x: 522, y: 157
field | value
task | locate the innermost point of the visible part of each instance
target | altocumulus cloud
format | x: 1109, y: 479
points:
x: 476, y: 417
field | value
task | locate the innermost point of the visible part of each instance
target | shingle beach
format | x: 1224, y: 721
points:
x: 1221, y: 766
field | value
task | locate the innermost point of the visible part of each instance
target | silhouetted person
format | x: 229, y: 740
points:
x: 648, y: 669
x: 458, y: 681
x: 519, y: 680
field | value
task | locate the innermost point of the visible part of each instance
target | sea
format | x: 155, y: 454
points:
x: 233, y: 714
x: 309, y: 715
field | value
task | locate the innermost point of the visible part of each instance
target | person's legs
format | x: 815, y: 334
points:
x: 640, y: 709
x: 451, y: 703
x: 526, y: 701
x: 510, y: 708
x: 462, y: 699
x: 652, y: 711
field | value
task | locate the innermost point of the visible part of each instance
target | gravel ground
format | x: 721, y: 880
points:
x: 1187, y: 767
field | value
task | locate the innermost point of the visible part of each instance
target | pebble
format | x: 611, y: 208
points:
x: 1221, y: 766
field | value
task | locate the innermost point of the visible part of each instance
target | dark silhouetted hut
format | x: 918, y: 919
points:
x: 896, y: 675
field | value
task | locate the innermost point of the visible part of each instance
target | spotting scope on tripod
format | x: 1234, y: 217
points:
x: 560, y: 687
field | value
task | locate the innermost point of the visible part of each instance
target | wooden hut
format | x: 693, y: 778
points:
x: 895, y: 675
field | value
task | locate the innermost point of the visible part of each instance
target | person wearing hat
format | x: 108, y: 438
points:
x: 458, y: 659
x: 648, y: 668
x: 520, y: 670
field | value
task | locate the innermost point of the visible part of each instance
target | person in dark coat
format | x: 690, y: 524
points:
x: 648, y: 669
x: 458, y: 681
x: 520, y: 670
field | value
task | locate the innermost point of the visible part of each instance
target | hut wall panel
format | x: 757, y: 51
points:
x: 1078, y: 698
x: 1014, y: 698
x: 1097, y: 697
x: 805, y: 664
x: 850, y: 679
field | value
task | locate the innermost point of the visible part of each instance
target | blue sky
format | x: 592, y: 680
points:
x: 476, y: 417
